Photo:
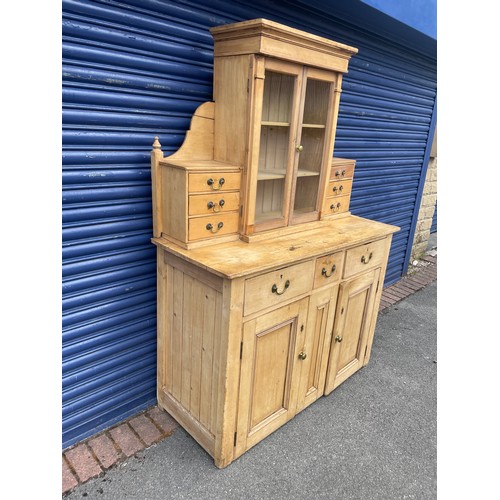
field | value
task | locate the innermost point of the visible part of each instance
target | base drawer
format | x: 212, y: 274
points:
x: 365, y: 257
x: 275, y: 287
x: 328, y: 269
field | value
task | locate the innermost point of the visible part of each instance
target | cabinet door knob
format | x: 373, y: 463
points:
x: 302, y: 355
x: 299, y: 148
x: 338, y: 339
x: 275, y: 290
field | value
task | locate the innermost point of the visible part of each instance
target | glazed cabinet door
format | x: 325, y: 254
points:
x: 292, y: 133
x: 269, y: 372
x: 354, y: 315
x: 315, y: 350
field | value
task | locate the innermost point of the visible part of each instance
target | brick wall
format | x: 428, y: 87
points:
x: 427, y: 206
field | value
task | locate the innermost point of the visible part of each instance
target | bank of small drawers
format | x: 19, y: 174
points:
x: 274, y: 287
x: 338, y: 193
x: 199, y: 201
x: 213, y: 204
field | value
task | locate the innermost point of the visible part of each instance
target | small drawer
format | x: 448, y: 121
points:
x: 340, y: 172
x: 213, y: 225
x: 206, y: 204
x: 365, y: 257
x: 275, y: 287
x: 337, y: 204
x: 214, y: 181
x: 328, y: 269
x: 339, y: 188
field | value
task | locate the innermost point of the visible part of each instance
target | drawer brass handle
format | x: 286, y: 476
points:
x: 216, y: 207
x: 299, y: 149
x: 339, y: 189
x: 213, y: 183
x: 324, y: 272
x: 338, y: 339
x: 302, y: 355
x: 274, y: 289
x: 212, y: 229
x: 338, y: 173
x: 335, y: 207
x: 364, y: 260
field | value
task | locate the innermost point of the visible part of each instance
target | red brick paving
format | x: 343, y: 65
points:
x: 69, y: 480
x: 83, y: 462
x: 126, y: 439
x: 146, y: 429
x: 105, y: 450
x: 89, y: 458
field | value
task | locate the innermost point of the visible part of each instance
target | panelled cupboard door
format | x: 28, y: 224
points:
x: 269, y: 372
x: 316, y: 347
x: 355, y: 308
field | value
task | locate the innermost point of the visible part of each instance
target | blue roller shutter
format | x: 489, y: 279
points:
x: 138, y: 68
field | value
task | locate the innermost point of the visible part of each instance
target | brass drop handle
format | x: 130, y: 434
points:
x: 324, y: 271
x: 302, y: 355
x: 333, y: 207
x: 216, y: 207
x: 274, y: 289
x: 338, y: 339
x: 213, y: 183
x: 364, y: 260
x: 340, y: 189
x: 338, y: 173
x: 299, y: 148
x: 212, y: 229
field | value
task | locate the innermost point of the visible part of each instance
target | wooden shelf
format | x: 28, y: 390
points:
x: 275, y: 124
x: 264, y: 216
x: 312, y: 125
x: 279, y: 173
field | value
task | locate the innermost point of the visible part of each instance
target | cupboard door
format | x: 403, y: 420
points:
x: 269, y: 372
x: 355, y: 311
x: 278, y: 122
x: 314, y: 144
x: 316, y: 345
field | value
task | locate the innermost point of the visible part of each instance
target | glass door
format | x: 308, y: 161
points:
x: 313, y: 147
x: 277, y: 131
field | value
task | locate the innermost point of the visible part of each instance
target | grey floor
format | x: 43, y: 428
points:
x: 373, y: 438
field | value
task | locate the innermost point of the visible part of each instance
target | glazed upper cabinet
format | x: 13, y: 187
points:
x: 294, y: 131
x: 281, y: 89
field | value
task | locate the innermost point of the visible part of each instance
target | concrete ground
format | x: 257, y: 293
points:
x: 373, y: 438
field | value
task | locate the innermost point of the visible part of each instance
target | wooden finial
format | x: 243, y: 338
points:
x: 156, y: 143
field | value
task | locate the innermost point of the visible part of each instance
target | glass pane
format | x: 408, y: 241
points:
x: 274, y: 144
x: 312, y: 144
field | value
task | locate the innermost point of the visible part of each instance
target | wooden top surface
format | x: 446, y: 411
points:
x: 200, y: 165
x: 238, y: 258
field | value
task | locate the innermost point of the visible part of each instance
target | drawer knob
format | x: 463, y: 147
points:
x: 216, y: 207
x: 275, y: 290
x: 216, y: 184
x: 339, y: 189
x: 302, y: 355
x: 213, y: 229
x: 338, y: 173
x: 325, y: 273
x: 365, y: 260
x: 335, y: 207
x: 338, y: 339
x: 299, y: 149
